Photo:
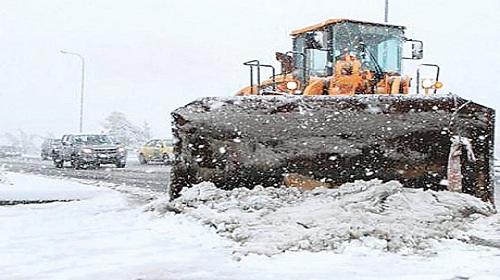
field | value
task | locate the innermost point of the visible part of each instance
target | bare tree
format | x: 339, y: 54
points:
x: 23, y: 141
x: 119, y: 127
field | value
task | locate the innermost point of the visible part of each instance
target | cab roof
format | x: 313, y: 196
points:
x: 334, y: 21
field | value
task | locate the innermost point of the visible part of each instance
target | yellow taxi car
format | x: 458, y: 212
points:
x: 156, y: 151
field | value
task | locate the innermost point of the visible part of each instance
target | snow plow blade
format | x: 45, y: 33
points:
x: 281, y: 140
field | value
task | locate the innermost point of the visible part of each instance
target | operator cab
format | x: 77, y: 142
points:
x: 342, y: 56
x: 377, y: 46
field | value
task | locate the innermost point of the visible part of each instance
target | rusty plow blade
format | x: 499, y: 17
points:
x: 273, y: 140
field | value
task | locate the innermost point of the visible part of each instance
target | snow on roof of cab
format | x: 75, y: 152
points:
x: 333, y: 21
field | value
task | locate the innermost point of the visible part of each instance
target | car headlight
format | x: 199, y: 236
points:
x: 87, y: 151
x: 121, y: 150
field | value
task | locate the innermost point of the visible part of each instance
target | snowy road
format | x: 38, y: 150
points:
x: 152, y: 177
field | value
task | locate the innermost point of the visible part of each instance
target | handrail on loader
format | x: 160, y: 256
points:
x: 256, y: 63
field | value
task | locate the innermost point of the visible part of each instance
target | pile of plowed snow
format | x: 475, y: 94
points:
x: 379, y: 215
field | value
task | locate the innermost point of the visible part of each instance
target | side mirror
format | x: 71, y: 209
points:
x: 417, y: 50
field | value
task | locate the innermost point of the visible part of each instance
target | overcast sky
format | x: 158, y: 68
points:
x: 147, y: 57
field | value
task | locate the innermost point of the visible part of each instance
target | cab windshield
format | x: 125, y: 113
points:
x: 375, y: 46
x: 92, y: 139
x: 379, y: 48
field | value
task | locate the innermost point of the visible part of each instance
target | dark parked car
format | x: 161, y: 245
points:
x: 83, y: 150
x: 50, y: 147
x: 9, y: 151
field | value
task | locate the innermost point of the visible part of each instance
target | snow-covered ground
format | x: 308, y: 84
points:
x: 366, y: 230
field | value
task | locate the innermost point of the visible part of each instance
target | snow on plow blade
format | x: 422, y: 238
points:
x: 266, y: 140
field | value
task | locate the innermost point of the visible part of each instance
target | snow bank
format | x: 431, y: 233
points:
x: 3, y: 176
x: 19, y: 188
x: 378, y: 215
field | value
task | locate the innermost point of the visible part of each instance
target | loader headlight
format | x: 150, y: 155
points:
x: 427, y: 83
x: 292, y: 85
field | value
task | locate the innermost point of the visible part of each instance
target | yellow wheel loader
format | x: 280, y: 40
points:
x: 340, y: 110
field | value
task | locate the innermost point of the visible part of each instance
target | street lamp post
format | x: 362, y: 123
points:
x: 386, y: 14
x: 82, y: 86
